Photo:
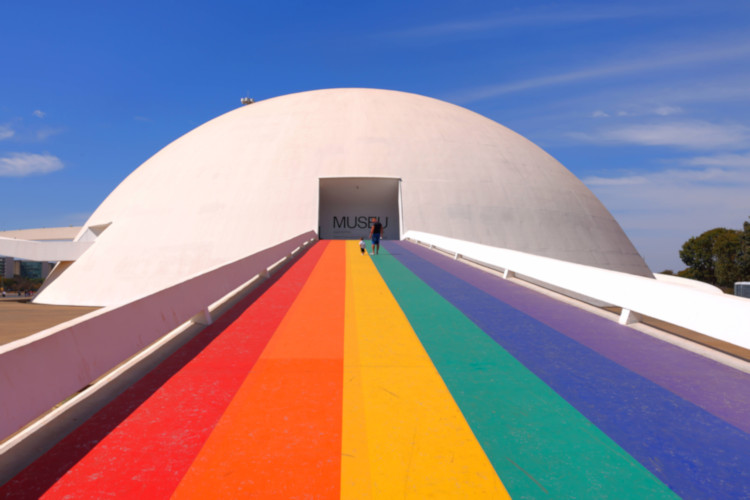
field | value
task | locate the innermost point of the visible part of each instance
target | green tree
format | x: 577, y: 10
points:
x: 698, y: 254
x: 719, y: 256
x: 743, y: 259
x: 727, y: 251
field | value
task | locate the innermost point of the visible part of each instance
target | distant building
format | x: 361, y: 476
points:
x: 6, y: 267
x: 27, y: 267
x: 10, y: 268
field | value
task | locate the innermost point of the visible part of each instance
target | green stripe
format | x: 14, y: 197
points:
x: 539, y: 444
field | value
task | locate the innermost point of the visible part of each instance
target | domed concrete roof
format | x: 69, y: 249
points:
x: 249, y: 179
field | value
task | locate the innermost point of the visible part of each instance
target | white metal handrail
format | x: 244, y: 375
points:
x: 723, y: 317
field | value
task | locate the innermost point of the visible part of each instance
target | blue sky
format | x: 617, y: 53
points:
x: 647, y: 102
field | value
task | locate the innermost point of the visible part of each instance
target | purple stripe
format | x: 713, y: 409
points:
x: 718, y: 389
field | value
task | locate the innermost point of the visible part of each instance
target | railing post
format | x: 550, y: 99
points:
x: 628, y: 317
x: 203, y: 317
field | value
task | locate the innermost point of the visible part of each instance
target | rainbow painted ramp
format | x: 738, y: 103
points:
x: 410, y: 375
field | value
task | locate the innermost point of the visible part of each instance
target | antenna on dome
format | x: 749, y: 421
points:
x: 247, y: 100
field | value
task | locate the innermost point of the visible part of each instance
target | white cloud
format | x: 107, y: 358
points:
x: 667, y: 110
x: 669, y: 97
x: 659, y: 211
x: 713, y: 88
x: 723, y: 160
x: 23, y: 164
x: 6, y: 132
x: 673, y: 177
x: 548, y: 17
x: 47, y: 132
x: 28, y: 133
x: 639, y: 110
x: 616, y: 181
x: 664, y: 58
x: 687, y: 135
x: 39, y: 113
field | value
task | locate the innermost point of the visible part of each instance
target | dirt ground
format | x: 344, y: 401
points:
x: 20, y: 319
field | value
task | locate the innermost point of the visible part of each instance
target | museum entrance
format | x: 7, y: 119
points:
x: 347, y: 204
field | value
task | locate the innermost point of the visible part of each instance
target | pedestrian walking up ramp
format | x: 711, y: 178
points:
x: 410, y: 375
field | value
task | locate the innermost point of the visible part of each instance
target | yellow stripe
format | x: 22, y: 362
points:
x: 403, y: 436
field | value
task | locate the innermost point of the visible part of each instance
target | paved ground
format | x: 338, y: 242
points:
x: 21, y: 319
x: 409, y: 374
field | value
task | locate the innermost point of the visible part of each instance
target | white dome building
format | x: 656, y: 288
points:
x: 325, y: 161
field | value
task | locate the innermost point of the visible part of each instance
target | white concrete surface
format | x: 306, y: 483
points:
x: 721, y: 316
x: 698, y: 285
x: 43, y: 234
x: 43, y: 251
x: 249, y: 179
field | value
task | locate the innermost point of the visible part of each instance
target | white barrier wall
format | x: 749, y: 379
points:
x: 43, y: 251
x: 67, y: 233
x: 723, y: 317
x: 41, y: 370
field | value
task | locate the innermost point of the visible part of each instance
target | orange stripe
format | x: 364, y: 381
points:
x: 281, y: 435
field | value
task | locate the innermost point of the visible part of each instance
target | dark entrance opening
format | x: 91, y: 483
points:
x: 347, y: 204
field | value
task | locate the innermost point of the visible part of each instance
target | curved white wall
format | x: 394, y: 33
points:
x: 249, y: 179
